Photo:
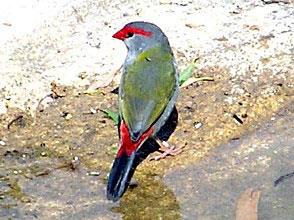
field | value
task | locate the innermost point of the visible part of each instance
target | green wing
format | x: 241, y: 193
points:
x: 147, y: 86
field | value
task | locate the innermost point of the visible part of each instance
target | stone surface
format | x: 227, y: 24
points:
x: 210, y: 189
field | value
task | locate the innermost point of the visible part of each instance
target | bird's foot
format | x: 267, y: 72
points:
x: 166, y: 150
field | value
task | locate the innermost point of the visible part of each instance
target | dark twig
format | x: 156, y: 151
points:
x: 237, y: 119
x: 14, y: 120
x: 267, y: 2
x: 282, y: 178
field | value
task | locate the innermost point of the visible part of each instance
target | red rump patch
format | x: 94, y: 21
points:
x: 124, y: 33
x: 127, y: 146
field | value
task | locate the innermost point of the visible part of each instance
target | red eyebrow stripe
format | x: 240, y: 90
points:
x: 123, y: 33
x: 137, y: 31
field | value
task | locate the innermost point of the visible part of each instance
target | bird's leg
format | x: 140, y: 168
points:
x: 166, y: 150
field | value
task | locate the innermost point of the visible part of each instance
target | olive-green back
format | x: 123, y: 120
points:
x: 147, y: 86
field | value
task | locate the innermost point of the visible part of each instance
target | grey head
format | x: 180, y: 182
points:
x: 140, y: 35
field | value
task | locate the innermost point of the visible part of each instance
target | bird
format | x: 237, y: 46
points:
x: 148, y: 90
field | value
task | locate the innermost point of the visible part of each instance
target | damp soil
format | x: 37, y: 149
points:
x: 54, y: 165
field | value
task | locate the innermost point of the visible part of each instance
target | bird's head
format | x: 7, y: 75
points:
x: 141, y: 35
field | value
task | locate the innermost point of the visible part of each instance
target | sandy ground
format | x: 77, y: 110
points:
x: 70, y: 42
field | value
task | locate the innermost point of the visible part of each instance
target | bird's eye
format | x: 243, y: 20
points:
x: 130, y: 34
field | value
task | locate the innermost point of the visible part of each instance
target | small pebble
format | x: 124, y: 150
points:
x: 93, y: 111
x: 75, y: 162
x: 198, y: 125
x: 76, y: 158
x: 68, y: 116
x: 2, y: 143
x: 93, y: 173
x: 25, y: 199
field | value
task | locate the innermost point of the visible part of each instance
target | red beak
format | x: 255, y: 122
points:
x: 120, y: 35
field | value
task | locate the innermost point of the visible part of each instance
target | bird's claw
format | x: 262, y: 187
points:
x: 168, y: 152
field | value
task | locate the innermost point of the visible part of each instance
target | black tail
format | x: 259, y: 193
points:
x: 120, y: 175
x: 124, y: 167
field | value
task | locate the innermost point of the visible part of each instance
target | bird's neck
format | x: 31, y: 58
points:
x: 133, y: 53
x: 131, y: 57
